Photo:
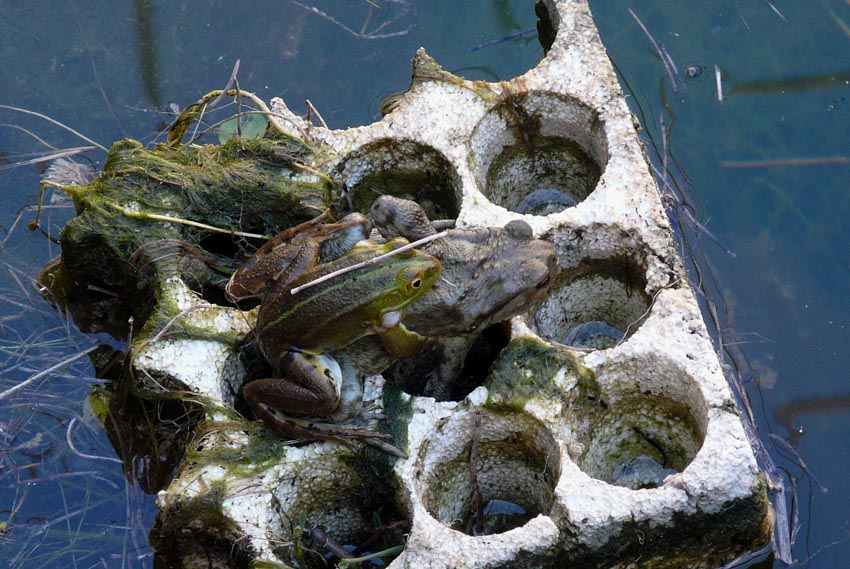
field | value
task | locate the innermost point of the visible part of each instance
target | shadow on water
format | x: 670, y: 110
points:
x: 143, y: 14
x: 791, y: 414
x: 762, y: 173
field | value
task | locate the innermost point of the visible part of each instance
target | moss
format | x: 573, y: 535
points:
x: 528, y: 368
x: 245, y: 449
x: 125, y: 239
x: 195, y: 531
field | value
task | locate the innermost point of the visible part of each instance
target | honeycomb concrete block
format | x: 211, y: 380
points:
x: 633, y: 456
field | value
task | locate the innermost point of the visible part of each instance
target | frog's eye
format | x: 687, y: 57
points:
x: 411, y: 281
x: 415, y: 284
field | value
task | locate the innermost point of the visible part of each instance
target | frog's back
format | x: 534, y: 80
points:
x: 332, y: 314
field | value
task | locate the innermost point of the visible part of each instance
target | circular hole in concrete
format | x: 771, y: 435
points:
x: 594, y: 305
x: 653, y: 425
x: 339, y: 498
x: 416, y: 375
x: 640, y: 441
x: 516, y: 465
x: 539, y: 153
x: 405, y: 169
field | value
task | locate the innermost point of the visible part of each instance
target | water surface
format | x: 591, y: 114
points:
x: 763, y: 172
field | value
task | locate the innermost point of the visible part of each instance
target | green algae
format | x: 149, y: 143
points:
x: 531, y: 369
x: 151, y: 209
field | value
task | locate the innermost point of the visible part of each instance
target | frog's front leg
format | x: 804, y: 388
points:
x: 401, y: 342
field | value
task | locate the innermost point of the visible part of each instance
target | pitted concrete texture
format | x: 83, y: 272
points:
x: 650, y: 466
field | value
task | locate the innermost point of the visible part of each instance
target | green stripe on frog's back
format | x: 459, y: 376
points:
x: 331, y: 315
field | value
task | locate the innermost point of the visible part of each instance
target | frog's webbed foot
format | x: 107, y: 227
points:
x: 306, y: 430
x: 372, y: 412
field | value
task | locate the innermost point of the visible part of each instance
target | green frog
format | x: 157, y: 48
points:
x: 295, y: 331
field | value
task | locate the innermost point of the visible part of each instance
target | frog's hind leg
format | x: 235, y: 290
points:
x: 309, y: 388
x: 288, y: 397
x: 313, y: 387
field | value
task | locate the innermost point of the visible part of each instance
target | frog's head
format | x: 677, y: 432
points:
x: 489, y: 274
x: 416, y: 273
x: 520, y: 272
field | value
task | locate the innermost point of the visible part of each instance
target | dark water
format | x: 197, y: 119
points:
x: 765, y: 173
x: 769, y: 169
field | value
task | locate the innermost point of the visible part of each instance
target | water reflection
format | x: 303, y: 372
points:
x: 790, y: 414
x: 146, y: 38
x: 783, y: 85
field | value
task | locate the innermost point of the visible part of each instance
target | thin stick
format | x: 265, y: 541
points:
x: 778, y: 13
x: 719, y: 84
x: 657, y: 50
x: 48, y: 157
x: 169, y: 219
x: 666, y: 55
x: 174, y: 320
x: 743, y: 19
x: 82, y: 454
x: 648, y: 310
x: 227, y: 87
x: 374, y: 34
x: 368, y: 262
x: 504, y: 39
x: 838, y: 21
x: 311, y: 109
x: 387, y: 552
x: 785, y: 162
x: 198, y: 123
x: 794, y: 455
x: 54, y: 121
x: 33, y: 378
x: 30, y: 133
x: 318, y: 535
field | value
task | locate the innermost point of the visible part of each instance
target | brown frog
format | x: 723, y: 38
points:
x: 489, y: 274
